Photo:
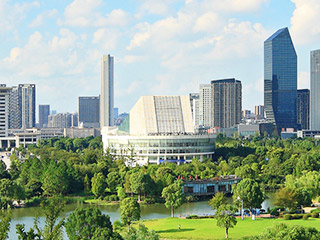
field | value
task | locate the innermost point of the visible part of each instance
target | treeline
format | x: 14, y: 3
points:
x: 64, y: 166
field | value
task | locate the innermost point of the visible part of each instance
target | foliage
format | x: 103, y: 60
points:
x: 89, y: 223
x: 5, y: 218
x: 225, y: 217
x: 250, y: 193
x: 99, y: 185
x: 129, y: 211
x: 218, y: 200
x: 141, y: 233
x: 173, y: 196
x: 121, y: 193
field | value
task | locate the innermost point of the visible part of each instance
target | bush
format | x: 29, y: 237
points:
x: 287, y: 217
x: 315, y: 210
x: 111, y: 198
x: 297, y: 216
x: 315, y: 214
x: 306, y: 216
x: 274, y: 211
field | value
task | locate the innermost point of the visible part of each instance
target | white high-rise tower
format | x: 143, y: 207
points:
x: 107, y: 92
x: 315, y: 90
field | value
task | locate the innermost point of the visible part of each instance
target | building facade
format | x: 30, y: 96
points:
x: 4, y: 110
x: 259, y: 112
x: 158, y: 129
x: 14, y: 109
x: 63, y: 120
x: 194, y: 104
x: 226, y: 102
x: 27, y: 93
x: 44, y: 112
x: 315, y: 90
x: 280, y: 80
x: 107, y: 92
x: 89, y: 111
x: 303, y: 103
x: 205, y: 105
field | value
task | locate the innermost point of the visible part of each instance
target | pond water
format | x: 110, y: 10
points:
x: 26, y: 215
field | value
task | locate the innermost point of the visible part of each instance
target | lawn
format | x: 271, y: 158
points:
x: 167, y: 228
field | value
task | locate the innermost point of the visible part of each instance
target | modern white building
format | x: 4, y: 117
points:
x: 159, y: 129
x: 194, y: 103
x: 205, y: 105
x: 107, y: 92
x: 315, y: 90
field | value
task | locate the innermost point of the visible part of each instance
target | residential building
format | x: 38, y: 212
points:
x: 107, y: 92
x: 27, y: 93
x: 158, y: 129
x: 303, y: 102
x: 62, y: 120
x: 280, y: 80
x: 194, y: 103
x: 44, y: 112
x: 259, y: 112
x: 205, y: 105
x: 226, y: 102
x: 89, y: 111
x: 315, y: 90
x: 14, y: 109
x: 246, y: 113
x: 4, y: 110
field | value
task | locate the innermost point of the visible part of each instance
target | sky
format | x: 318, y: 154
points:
x: 165, y: 47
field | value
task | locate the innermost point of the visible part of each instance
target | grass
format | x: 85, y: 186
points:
x: 202, y: 229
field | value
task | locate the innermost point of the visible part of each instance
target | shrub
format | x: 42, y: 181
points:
x: 111, y: 198
x: 306, y: 216
x: 315, y: 210
x: 274, y: 211
x: 315, y: 214
x: 297, y: 216
x: 287, y: 217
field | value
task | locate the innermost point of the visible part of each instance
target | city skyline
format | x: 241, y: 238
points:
x: 167, y: 47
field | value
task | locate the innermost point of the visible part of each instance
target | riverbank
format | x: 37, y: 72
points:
x: 201, y: 229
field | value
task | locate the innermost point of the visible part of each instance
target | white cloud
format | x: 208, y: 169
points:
x: 106, y: 38
x: 39, y: 20
x: 86, y: 13
x: 305, y: 28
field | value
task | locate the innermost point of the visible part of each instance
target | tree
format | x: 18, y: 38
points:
x: 136, y: 183
x: 225, y: 217
x: 129, y: 211
x: 98, y: 185
x: 250, y: 192
x: 218, y: 200
x: 121, y: 193
x: 173, y: 196
x: 86, y: 184
x: 141, y: 233
x: 5, y: 219
x: 89, y: 223
x: 113, y: 180
x: 286, y: 198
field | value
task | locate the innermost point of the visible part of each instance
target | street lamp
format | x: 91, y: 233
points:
x: 239, y: 199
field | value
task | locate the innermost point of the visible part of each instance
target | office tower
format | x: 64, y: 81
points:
x: 226, y: 102
x: 27, y: 92
x: 194, y: 103
x: 205, y: 105
x: 259, y: 111
x: 44, y: 112
x: 14, y: 109
x: 303, y: 102
x: 107, y: 97
x: 63, y: 120
x: 116, y: 113
x: 4, y: 110
x: 89, y: 111
x: 246, y: 113
x: 280, y: 80
x: 315, y: 90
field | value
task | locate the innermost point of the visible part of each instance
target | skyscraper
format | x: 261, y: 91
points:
x: 89, y: 111
x: 280, y: 80
x: 27, y: 93
x: 315, y: 90
x: 194, y: 103
x: 226, y: 102
x: 259, y: 111
x: 44, y: 112
x: 107, y: 96
x: 205, y: 105
x: 4, y: 110
x: 303, y: 102
x: 14, y: 109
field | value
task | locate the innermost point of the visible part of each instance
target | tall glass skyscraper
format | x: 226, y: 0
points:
x: 280, y: 80
x: 315, y: 90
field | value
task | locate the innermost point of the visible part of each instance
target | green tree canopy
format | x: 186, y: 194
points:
x: 225, y: 217
x: 129, y: 211
x: 173, y: 196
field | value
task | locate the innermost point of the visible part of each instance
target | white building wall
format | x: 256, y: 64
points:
x: 315, y: 90
x: 205, y: 105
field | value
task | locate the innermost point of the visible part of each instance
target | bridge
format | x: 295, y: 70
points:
x: 206, y: 187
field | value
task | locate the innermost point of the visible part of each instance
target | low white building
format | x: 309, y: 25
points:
x: 159, y: 129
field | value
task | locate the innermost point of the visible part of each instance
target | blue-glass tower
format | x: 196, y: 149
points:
x: 280, y: 80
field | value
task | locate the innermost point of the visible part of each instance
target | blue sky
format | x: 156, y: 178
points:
x: 160, y: 47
